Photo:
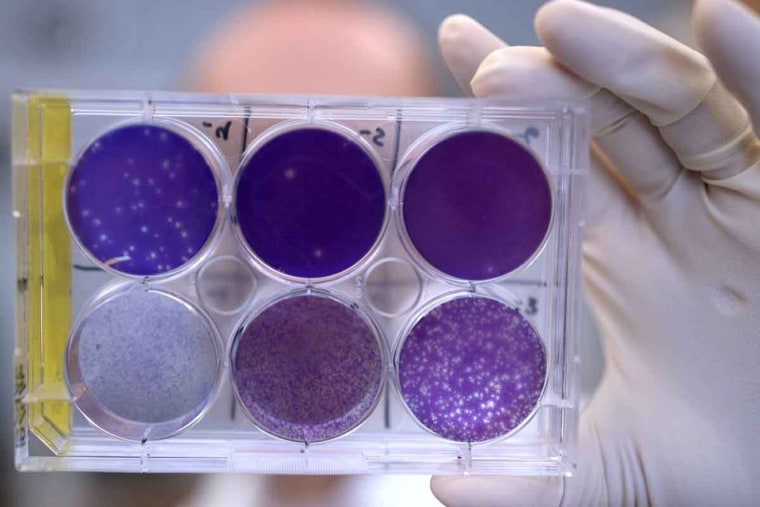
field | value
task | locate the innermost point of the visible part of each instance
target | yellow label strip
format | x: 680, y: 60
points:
x: 48, y: 308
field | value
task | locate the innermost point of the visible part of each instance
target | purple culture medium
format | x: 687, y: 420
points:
x: 471, y: 369
x: 308, y: 368
x: 477, y: 205
x: 310, y: 202
x: 142, y: 199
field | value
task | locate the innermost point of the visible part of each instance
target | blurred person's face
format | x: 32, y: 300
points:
x: 325, y: 47
x: 321, y: 47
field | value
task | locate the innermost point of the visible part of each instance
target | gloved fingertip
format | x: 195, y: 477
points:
x: 552, y: 17
x: 461, y: 32
x: 703, y: 11
x: 464, y: 44
x: 443, y: 488
x: 496, y: 77
x: 458, y: 491
x: 713, y: 18
x: 482, y: 82
x: 454, y: 27
x: 547, y: 18
x: 497, y: 490
x: 728, y: 33
x: 715, y: 6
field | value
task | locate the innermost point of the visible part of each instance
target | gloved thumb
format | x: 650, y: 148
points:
x: 486, y: 491
x: 586, y: 486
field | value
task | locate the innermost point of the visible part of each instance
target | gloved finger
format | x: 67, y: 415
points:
x: 673, y: 85
x: 532, y: 73
x: 464, y: 44
x: 486, y: 491
x: 633, y: 146
x: 610, y: 201
x: 586, y: 486
x: 729, y: 35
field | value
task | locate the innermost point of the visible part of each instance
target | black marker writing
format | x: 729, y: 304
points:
x: 377, y: 138
x: 222, y: 132
x: 529, y: 132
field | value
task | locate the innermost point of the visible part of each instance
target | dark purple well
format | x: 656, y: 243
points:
x: 477, y: 205
x: 310, y: 202
x: 308, y: 368
x: 472, y: 369
x: 142, y: 199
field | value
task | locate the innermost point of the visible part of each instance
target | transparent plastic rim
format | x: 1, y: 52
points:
x: 114, y: 424
x: 412, y: 323
x: 321, y: 293
x: 208, y: 264
x: 408, y: 163
x: 262, y: 140
x: 417, y: 277
x: 217, y: 166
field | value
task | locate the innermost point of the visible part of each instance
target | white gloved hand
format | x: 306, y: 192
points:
x: 671, y: 254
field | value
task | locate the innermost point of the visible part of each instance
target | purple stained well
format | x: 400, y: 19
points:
x: 310, y: 202
x: 477, y: 205
x: 142, y: 199
x: 472, y: 369
x: 308, y: 368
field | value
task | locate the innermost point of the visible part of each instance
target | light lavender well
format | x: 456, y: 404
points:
x: 143, y: 364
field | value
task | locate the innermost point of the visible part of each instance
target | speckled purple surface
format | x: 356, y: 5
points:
x: 308, y: 369
x: 472, y: 369
x: 477, y: 205
x: 310, y: 203
x: 146, y: 357
x: 142, y: 199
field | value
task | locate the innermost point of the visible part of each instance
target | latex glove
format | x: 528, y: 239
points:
x: 671, y: 253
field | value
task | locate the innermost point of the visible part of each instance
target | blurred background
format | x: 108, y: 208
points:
x: 237, y: 46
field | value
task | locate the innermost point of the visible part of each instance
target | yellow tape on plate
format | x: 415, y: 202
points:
x: 49, y: 268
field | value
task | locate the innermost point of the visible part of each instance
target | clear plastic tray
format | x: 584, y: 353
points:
x: 296, y: 284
